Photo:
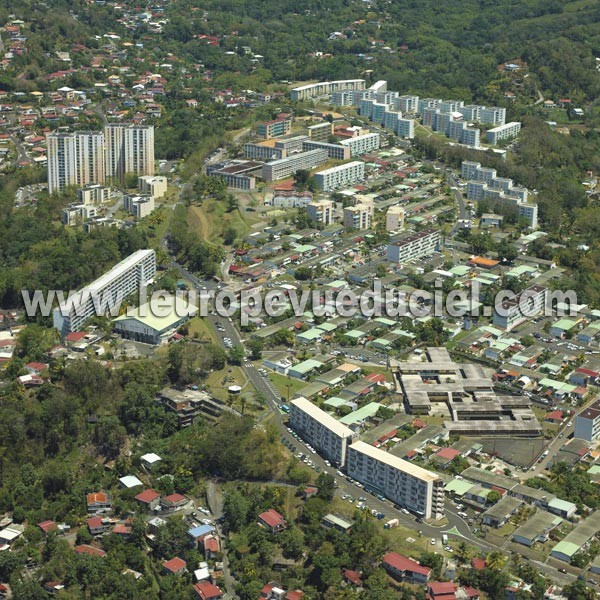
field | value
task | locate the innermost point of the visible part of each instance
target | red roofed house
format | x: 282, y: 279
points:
x: 207, y: 591
x: 98, y: 502
x: 441, y: 590
x: 176, y: 566
x: 211, y: 547
x: 445, y: 456
x: 294, y: 595
x: 173, y: 501
x: 272, y: 520
x: 35, y: 368
x: 149, y: 497
x: 47, y: 526
x: 555, y: 416
x: 75, y: 336
x: 478, y: 564
x: 309, y: 492
x: 97, y: 525
x: 352, y: 577
x: 403, y: 568
x: 122, y: 530
x: 89, y: 550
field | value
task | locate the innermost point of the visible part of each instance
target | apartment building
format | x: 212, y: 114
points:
x: 321, y: 132
x: 503, y: 132
x: 124, y: 279
x: 275, y: 128
x: 407, y: 104
x: 493, y: 115
x: 405, y: 128
x: 129, y: 149
x: 411, y: 246
x: 512, y: 312
x: 335, y: 177
x: 139, y: 206
x: 359, y: 216
x: 290, y: 199
x: 263, y: 152
x: 322, y: 431
x: 402, y: 482
x: 292, y: 144
x: 76, y: 214
x: 394, y: 218
x: 240, y: 175
x: 587, y: 423
x: 325, y: 88
x: 74, y: 159
x: 321, y: 211
x: 284, y: 167
x: 335, y: 151
x: 93, y: 194
x: 156, y: 186
x: 361, y: 144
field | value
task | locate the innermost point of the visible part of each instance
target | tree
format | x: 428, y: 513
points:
x: 232, y: 202
x: 255, y: 345
x: 493, y: 497
x: 434, y: 561
x: 579, y: 591
x: 326, y: 485
x: 109, y: 436
x: 495, y: 560
x: 236, y: 355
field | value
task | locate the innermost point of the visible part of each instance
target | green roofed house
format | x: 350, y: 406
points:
x: 458, y: 487
x: 355, y: 334
x: 385, y: 322
x: 326, y: 327
x: 562, y: 508
x: 335, y: 402
x: 154, y: 323
x: 523, y: 270
x: 312, y: 335
x: 362, y: 414
x: 561, y: 327
x: 565, y: 551
x: 460, y: 270
x: 304, y: 369
x: 536, y: 529
x: 576, y: 539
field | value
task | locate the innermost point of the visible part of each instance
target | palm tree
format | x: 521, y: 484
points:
x: 495, y: 560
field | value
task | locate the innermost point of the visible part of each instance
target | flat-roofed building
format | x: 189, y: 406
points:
x: 325, y: 88
x: 93, y: 194
x: 587, y: 423
x: 359, y: 216
x: 402, y: 482
x: 503, y: 132
x: 394, y: 218
x: 140, y: 205
x: 411, y: 246
x: 263, y: 151
x: 322, y: 431
x: 335, y: 151
x: 155, y: 185
x: 321, y: 211
x: 303, y: 161
x: 240, y: 175
x: 536, y: 529
x: 321, y: 132
x: 512, y: 312
x: 361, y: 144
x: 275, y: 128
x: 124, y: 279
x: 291, y: 199
x: 342, y: 175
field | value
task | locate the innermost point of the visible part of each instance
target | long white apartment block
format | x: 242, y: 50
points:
x: 345, y: 174
x: 361, y: 144
x: 411, y: 246
x: 327, y: 435
x: 124, y: 279
x: 503, y: 132
x: 399, y: 480
x: 326, y: 88
x: 284, y: 167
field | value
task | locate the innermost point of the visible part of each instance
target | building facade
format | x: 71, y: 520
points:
x: 321, y: 211
x: 322, y: 431
x: 587, y: 423
x: 361, y: 144
x: 414, y: 245
x: 402, y: 482
x: 503, y: 132
x: 326, y: 88
x: 345, y: 174
x: 129, y: 149
x: 113, y: 287
x: 284, y: 167
x: 512, y: 312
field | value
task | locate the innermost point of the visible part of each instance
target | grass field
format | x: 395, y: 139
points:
x: 282, y: 383
x: 200, y: 328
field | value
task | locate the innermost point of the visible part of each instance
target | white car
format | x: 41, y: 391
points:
x: 432, y: 541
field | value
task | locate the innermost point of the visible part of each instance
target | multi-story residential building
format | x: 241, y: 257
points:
x: 263, y: 152
x: 321, y: 132
x: 129, y: 149
x: 75, y: 159
x: 325, y: 88
x: 359, y: 216
x: 290, y: 145
x: 407, y: 104
x: 273, y: 129
x: 139, y: 206
x: 237, y: 174
x: 413, y: 245
x: 450, y: 106
x: 394, y: 218
x: 503, y: 132
x: 76, y: 214
x: 511, y: 312
x: 290, y: 199
x: 321, y: 211
x: 93, y: 194
x: 154, y: 185
x: 405, y: 128
x: 402, y: 482
x: 335, y: 151
x: 529, y: 213
x: 108, y: 291
x: 424, y: 103
x: 322, y: 431
x: 344, y: 98
x: 493, y: 115
x: 469, y: 170
x: 361, y: 144
x: 587, y: 423
x: 471, y: 112
x: 284, y: 167
x: 345, y: 174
